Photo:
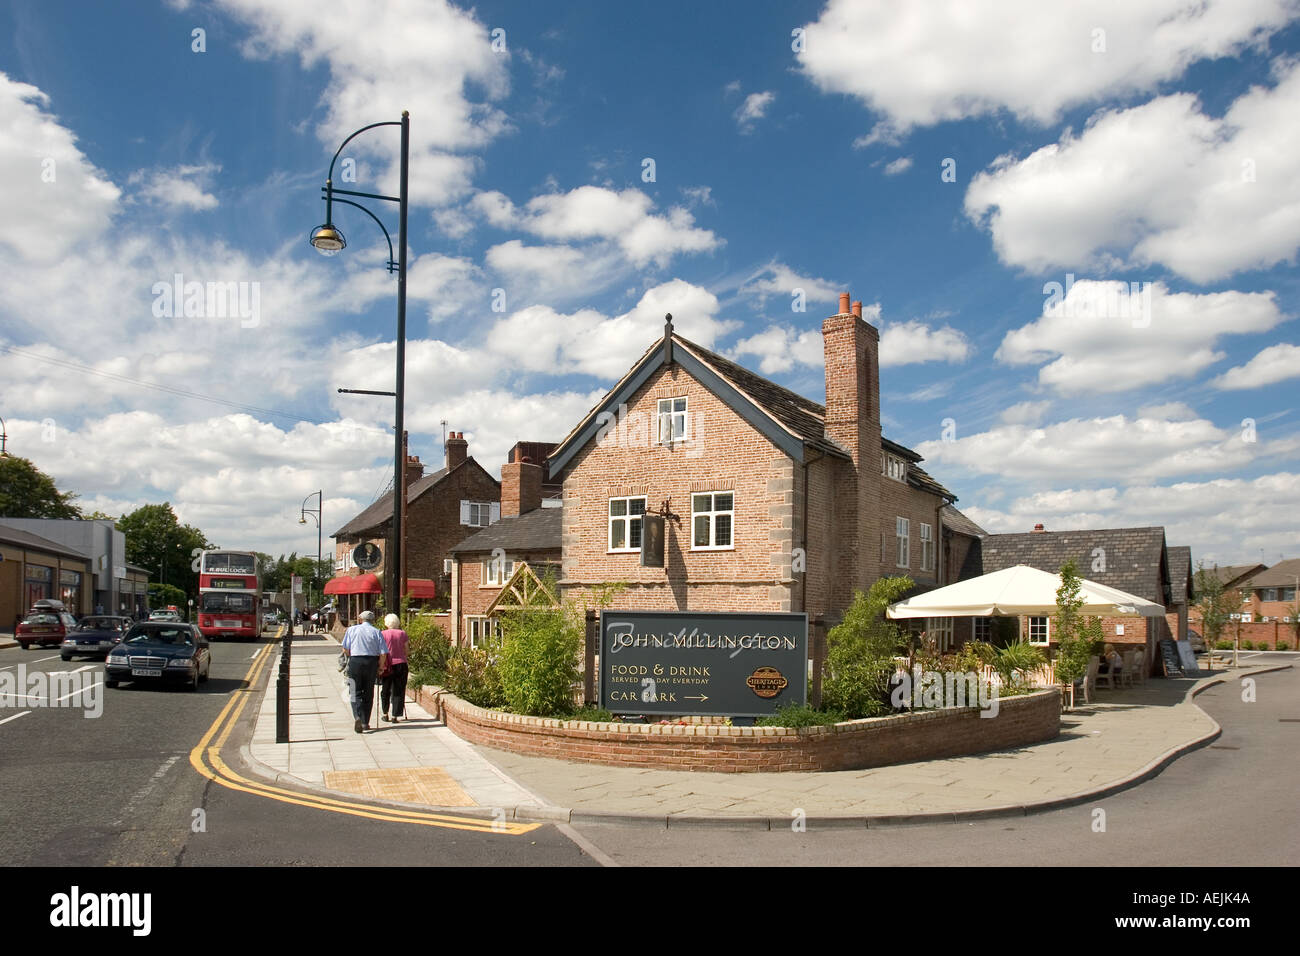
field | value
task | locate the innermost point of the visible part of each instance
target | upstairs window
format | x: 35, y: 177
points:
x: 891, y: 466
x: 927, y: 548
x: 712, y: 516
x: 497, y: 572
x: 625, y: 523
x: 672, y: 420
x: 902, y: 533
x: 479, y: 514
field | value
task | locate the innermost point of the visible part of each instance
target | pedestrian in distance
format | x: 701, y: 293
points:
x: 367, y: 655
x: 393, y: 690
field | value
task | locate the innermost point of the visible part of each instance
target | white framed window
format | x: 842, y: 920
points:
x: 497, y: 572
x: 983, y: 629
x: 1040, y: 630
x: 901, y: 533
x: 891, y: 466
x: 939, y: 630
x: 927, y: 548
x: 672, y: 420
x: 482, y: 630
x: 712, y: 517
x: 625, y: 523
x: 479, y: 514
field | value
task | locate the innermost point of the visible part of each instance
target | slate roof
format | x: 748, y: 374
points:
x: 1231, y: 575
x: 1181, y: 588
x: 1136, y: 561
x: 25, y: 539
x: 954, y: 519
x: 1282, y: 574
x: 799, y: 416
x: 536, y: 530
x: 380, y: 511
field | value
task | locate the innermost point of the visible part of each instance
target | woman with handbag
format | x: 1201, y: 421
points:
x: 393, y: 690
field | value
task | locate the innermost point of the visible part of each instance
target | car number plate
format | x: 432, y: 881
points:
x: 87, y: 647
x: 146, y: 672
x: 228, y: 624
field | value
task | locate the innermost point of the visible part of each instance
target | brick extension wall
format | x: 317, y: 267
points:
x: 855, y: 745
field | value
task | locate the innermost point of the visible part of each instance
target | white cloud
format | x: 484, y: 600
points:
x: 753, y: 109
x: 1174, y: 411
x: 177, y: 187
x: 52, y: 195
x: 1109, y: 337
x: 910, y: 342
x: 1117, y: 448
x: 1025, y: 413
x: 778, y: 279
x: 555, y: 274
x: 1274, y: 364
x: 424, y: 56
x: 1159, y: 183
x: 541, y: 339
x: 779, y: 349
x: 900, y: 165
x: 593, y: 212
x: 922, y: 64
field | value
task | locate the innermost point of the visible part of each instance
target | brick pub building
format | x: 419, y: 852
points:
x: 774, y: 502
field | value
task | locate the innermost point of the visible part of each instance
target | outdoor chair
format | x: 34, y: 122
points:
x: 1084, y: 685
x: 1107, y: 679
x: 1129, y: 675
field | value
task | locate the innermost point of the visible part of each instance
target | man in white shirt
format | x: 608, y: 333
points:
x: 367, y: 656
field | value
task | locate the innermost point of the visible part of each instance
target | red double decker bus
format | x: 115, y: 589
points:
x: 230, y: 595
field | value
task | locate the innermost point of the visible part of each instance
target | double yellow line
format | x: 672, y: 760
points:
x: 206, y: 759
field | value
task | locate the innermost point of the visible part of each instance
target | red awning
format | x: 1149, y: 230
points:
x: 354, y: 584
x: 421, y: 588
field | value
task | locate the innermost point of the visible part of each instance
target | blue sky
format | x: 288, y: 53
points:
x: 795, y: 146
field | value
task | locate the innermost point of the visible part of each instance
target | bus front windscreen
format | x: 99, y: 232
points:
x: 210, y: 603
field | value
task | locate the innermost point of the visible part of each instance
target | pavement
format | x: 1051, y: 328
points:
x: 1122, y: 738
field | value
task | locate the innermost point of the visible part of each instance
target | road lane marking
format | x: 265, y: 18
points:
x: 146, y: 789
x: 15, y: 716
x: 52, y: 657
x: 206, y: 759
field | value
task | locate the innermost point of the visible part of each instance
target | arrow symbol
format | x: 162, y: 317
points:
x: 701, y: 698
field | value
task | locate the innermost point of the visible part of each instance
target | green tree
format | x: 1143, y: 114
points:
x: 28, y: 492
x: 860, y: 652
x: 161, y: 595
x: 1214, y: 602
x: 1078, y: 637
x: 157, y: 541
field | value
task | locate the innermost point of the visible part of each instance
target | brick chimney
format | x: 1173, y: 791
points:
x: 521, y: 487
x: 457, y: 449
x: 852, y: 350
x: 414, y: 469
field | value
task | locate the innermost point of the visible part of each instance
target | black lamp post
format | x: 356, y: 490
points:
x: 328, y: 240
x: 316, y: 514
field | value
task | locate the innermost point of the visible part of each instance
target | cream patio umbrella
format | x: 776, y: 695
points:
x: 1020, y: 590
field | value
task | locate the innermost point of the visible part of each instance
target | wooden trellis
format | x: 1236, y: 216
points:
x: 523, y: 592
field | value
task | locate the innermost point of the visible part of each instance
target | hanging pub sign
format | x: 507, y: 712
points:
x: 680, y: 663
x: 367, y: 556
x: 652, y: 541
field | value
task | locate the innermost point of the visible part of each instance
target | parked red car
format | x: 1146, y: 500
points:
x: 48, y: 622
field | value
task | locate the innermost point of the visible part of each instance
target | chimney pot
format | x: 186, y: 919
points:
x: 457, y: 449
x: 857, y: 309
x: 1039, y: 529
x: 844, y: 303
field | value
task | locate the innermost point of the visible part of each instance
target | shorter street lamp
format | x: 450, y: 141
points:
x: 303, y: 512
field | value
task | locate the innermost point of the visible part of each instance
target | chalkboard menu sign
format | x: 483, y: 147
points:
x: 690, y: 662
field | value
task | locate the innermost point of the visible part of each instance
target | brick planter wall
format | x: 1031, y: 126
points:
x: 854, y: 745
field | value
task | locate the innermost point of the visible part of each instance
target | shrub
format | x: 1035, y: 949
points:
x: 596, y: 714
x: 1015, y: 659
x: 428, y: 651
x: 1248, y: 645
x: 800, y: 715
x: 860, y: 653
x: 473, y: 675
x: 1283, y: 646
x: 1223, y: 646
x: 539, y: 660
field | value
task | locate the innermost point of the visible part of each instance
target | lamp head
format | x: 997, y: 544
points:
x: 328, y: 240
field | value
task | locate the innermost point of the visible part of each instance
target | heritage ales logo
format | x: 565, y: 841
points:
x: 767, y: 682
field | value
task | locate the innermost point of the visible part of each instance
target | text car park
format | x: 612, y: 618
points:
x: 160, y: 652
x: 95, y: 635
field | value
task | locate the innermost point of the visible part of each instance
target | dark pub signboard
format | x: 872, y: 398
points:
x: 694, y: 662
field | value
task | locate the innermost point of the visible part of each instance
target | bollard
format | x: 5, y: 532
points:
x: 282, y: 689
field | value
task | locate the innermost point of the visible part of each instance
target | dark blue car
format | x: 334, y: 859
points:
x: 167, y: 652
